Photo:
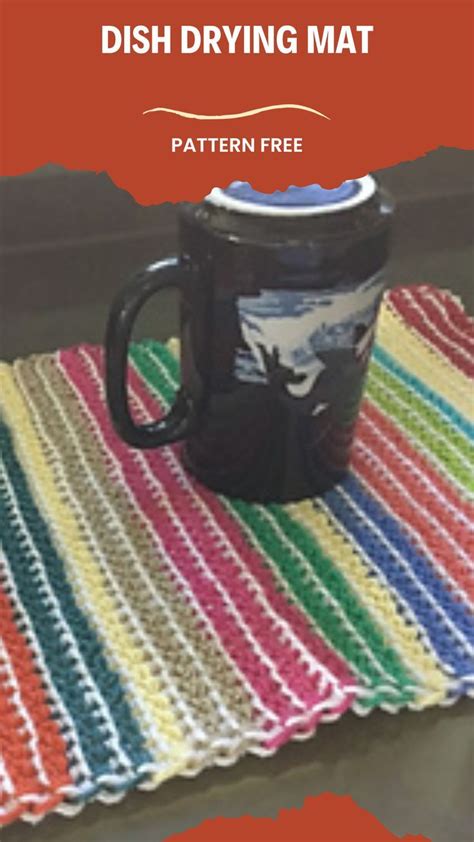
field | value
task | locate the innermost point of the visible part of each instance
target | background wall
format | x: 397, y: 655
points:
x: 68, y: 240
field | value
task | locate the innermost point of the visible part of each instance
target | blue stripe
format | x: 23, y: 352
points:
x: 360, y: 526
x: 436, y: 401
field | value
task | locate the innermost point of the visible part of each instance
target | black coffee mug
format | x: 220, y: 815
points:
x: 279, y: 300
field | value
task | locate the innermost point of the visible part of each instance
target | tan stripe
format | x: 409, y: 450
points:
x: 188, y: 675
x: 169, y: 746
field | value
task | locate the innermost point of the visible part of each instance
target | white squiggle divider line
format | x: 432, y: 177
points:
x: 237, y: 116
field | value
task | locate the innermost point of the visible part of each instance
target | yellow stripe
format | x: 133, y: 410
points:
x: 414, y: 354
x: 403, y: 638
x: 174, y: 346
x: 97, y: 603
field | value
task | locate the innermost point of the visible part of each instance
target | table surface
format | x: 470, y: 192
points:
x: 414, y: 771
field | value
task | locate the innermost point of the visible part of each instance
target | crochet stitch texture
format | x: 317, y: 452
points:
x: 149, y: 627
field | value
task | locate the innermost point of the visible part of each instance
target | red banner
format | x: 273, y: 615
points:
x: 363, y: 86
x: 327, y: 818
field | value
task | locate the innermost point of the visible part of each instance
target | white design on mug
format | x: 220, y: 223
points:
x: 291, y: 336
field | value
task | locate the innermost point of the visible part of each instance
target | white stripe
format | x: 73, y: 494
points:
x: 16, y: 699
x: 175, y: 573
x: 459, y: 388
x: 210, y: 519
x: 378, y: 370
x: 426, y: 319
x: 335, y: 698
x: 438, y: 527
x: 165, y: 501
x: 373, y: 608
x: 90, y: 688
x: 6, y: 784
x: 36, y: 567
x: 249, y: 735
x: 315, y: 579
x: 431, y: 455
x: 443, y: 414
x: 406, y: 567
x: 108, y: 515
x: 380, y: 577
x: 62, y: 483
x: 444, y: 574
x: 447, y: 317
x: 282, y: 624
x: 150, y: 588
x: 338, y: 607
x: 77, y: 764
x: 453, y: 511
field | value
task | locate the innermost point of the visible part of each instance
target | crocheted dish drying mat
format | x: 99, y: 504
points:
x: 150, y: 628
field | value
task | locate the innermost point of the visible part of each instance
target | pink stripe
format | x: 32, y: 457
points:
x: 204, y: 590
x: 224, y: 567
x: 227, y: 571
x: 254, y: 562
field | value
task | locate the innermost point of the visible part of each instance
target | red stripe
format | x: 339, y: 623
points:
x: 435, y: 309
x: 13, y: 741
x: 453, y: 313
x: 243, y: 595
x: 430, y: 325
x: 439, y: 546
x: 254, y: 561
x: 439, y: 481
x: 11, y: 814
x: 18, y: 809
x: 204, y: 589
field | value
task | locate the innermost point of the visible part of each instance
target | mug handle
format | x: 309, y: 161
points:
x: 181, y: 419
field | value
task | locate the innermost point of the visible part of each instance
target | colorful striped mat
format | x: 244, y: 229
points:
x: 150, y: 628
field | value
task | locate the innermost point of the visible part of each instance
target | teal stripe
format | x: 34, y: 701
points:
x: 450, y: 414
x: 289, y: 566
x: 92, y: 729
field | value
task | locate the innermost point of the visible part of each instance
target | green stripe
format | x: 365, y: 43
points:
x: 286, y: 564
x: 311, y: 597
x: 422, y: 423
x: 140, y: 356
x: 448, y: 413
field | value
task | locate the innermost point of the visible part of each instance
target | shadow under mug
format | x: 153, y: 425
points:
x: 279, y: 297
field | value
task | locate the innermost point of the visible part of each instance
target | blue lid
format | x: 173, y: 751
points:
x: 294, y: 201
x: 294, y: 197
